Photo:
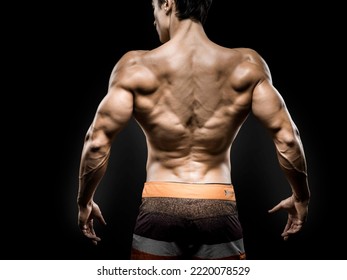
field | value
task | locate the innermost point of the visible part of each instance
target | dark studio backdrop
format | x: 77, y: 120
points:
x: 68, y: 55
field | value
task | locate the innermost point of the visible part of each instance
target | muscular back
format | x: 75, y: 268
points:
x: 190, y: 100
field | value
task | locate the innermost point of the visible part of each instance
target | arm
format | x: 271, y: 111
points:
x: 269, y: 107
x: 112, y: 114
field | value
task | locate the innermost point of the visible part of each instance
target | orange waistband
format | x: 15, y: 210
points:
x: 187, y: 190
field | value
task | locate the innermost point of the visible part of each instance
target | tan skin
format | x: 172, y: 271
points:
x: 190, y: 97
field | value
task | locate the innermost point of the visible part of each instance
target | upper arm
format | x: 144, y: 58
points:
x: 114, y: 112
x: 269, y: 107
x: 116, y: 108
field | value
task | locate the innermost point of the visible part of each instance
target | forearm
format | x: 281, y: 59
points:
x: 92, y: 168
x: 298, y: 181
x: 292, y: 161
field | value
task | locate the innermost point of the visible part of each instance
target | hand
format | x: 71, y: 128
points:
x: 297, y: 214
x: 86, y: 216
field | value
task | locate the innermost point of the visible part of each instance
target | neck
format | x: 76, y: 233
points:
x: 185, y: 29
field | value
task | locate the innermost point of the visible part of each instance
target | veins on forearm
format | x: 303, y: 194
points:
x: 92, y: 164
x: 297, y: 164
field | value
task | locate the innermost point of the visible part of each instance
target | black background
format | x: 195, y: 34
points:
x: 57, y: 68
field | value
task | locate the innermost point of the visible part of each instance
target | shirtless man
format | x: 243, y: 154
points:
x: 190, y: 96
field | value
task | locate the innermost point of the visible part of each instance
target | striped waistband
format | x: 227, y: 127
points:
x: 188, y: 190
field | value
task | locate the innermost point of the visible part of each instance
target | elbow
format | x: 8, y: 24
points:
x: 289, y: 142
x: 96, y: 141
x: 96, y: 148
x: 96, y: 144
x: 287, y: 139
x: 290, y: 150
x: 288, y: 145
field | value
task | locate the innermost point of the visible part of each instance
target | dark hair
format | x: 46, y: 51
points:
x: 194, y: 9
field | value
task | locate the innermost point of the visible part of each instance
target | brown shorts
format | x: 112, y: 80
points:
x: 187, y: 221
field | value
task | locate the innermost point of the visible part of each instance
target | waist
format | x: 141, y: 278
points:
x: 189, y: 190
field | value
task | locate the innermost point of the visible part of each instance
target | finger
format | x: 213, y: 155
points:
x: 91, y: 236
x: 286, y: 228
x: 294, y: 228
x: 95, y: 239
x: 101, y: 219
x: 81, y: 221
x: 91, y: 227
x: 285, y: 235
x: 98, y: 214
x: 89, y: 232
x: 275, y: 208
x: 288, y: 225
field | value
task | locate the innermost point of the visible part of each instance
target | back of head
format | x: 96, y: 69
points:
x: 195, y: 10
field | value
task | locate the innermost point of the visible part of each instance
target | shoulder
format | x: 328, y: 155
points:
x: 132, y: 72
x: 253, y: 62
x: 250, y: 68
x: 128, y: 60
